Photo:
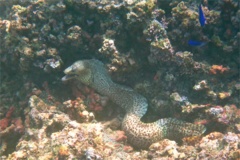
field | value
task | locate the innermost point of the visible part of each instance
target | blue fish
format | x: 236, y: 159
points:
x: 201, y: 17
x: 196, y: 43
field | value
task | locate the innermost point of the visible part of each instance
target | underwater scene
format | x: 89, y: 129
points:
x: 119, y: 79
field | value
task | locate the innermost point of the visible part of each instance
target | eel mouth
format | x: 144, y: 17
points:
x: 69, y: 74
x: 68, y: 77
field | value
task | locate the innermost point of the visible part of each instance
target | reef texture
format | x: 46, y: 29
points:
x: 51, y: 134
x: 144, y: 45
x: 140, y: 135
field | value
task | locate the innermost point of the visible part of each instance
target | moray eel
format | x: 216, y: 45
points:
x: 139, y: 134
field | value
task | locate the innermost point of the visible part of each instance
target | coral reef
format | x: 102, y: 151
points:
x: 60, y: 137
x: 10, y: 131
x: 144, y: 45
x: 50, y: 133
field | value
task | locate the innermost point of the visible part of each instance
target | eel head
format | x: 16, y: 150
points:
x: 79, y: 71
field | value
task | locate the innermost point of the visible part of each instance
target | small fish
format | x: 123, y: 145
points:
x: 201, y: 17
x: 196, y: 43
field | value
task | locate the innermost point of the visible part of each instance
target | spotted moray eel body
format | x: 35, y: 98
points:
x: 141, y: 135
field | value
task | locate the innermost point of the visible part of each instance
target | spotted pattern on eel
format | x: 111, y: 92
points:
x: 141, y: 135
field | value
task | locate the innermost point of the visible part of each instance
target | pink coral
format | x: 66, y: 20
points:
x: 95, y: 102
x: 121, y: 137
x: 5, y: 121
x: 19, y: 128
x: 218, y: 69
x: 225, y: 115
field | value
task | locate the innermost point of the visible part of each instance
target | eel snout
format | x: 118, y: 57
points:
x: 69, y: 74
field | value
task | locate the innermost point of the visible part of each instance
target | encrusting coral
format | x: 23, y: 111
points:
x: 9, y: 127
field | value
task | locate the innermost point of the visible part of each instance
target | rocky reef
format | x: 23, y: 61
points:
x: 144, y: 45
